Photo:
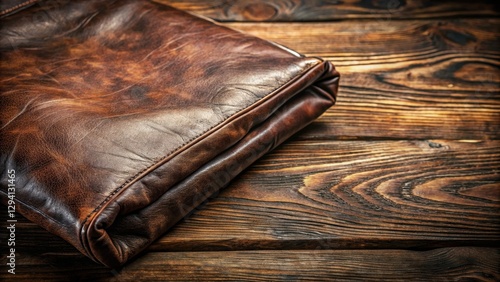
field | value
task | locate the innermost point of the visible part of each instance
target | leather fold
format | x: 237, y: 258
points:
x: 121, y: 117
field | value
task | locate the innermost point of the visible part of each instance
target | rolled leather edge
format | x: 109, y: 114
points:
x: 112, y: 244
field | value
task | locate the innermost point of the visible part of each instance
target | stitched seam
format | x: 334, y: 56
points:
x: 18, y: 6
x: 133, y: 178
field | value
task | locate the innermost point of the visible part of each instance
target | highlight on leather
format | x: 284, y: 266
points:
x: 120, y: 117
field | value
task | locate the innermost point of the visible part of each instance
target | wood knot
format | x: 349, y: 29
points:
x: 434, y: 145
x: 431, y: 146
x: 460, y: 38
x: 259, y: 11
x: 388, y: 5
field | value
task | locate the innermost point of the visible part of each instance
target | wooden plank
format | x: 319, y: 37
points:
x: 321, y: 10
x: 406, y: 79
x: 354, y: 194
x: 449, y: 264
x: 355, y: 44
x: 342, y: 194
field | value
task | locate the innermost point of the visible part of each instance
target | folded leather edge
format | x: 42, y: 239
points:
x: 320, y: 75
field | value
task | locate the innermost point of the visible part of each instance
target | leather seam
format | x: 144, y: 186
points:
x: 134, y: 178
x: 18, y: 6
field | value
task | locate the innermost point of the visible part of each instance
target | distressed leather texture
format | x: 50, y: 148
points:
x: 120, y: 117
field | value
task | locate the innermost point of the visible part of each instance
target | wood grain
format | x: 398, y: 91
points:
x: 404, y: 79
x: 450, y: 264
x: 340, y: 194
x: 321, y: 10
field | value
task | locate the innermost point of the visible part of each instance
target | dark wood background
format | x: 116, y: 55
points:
x: 400, y: 181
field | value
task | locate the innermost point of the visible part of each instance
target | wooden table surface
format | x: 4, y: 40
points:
x: 398, y: 181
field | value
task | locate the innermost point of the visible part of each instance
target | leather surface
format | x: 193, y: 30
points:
x: 8, y: 7
x: 120, y: 117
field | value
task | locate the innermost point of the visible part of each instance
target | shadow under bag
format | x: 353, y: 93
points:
x: 120, y: 117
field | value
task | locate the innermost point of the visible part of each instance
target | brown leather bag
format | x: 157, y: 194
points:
x: 120, y: 117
